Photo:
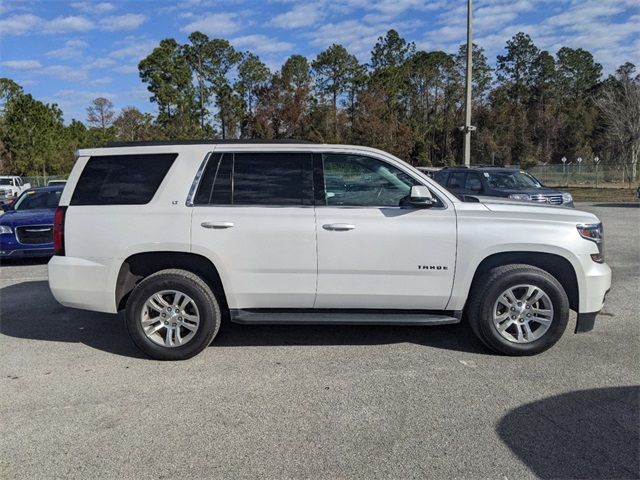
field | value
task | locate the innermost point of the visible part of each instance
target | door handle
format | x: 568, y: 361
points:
x: 338, y: 227
x: 217, y: 225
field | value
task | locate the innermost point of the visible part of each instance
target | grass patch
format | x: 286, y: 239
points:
x: 591, y: 194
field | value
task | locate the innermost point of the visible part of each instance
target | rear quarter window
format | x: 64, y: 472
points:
x: 121, y: 179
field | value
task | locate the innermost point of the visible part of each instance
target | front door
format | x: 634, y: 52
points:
x: 253, y: 217
x: 375, y: 251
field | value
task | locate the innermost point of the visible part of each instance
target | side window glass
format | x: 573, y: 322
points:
x: 441, y: 177
x: 121, y: 179
x: 215, y: 185
x: 473, y: 182
x: 203, y: 194
x: 357, y: 181
x: 268, y: 178
x: 456, y: 180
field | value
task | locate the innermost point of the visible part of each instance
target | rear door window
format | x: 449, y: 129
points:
x: 121, y: 179
x: 456, y: 180
x: 269, y: 179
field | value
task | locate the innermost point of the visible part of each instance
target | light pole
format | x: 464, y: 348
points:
x: 596, y: 160
x: 564, y: 169
x: 468, y: 128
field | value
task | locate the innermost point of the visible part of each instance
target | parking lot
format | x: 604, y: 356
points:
x: 77, y: 400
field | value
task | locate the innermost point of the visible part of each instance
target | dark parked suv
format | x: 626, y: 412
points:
x: 500, y: 182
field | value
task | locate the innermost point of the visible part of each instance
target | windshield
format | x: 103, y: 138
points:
x: 6, y: 181
x: 33, y: 199
x: 511, y: 180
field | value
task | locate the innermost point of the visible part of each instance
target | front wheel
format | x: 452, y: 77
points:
x: 518, y: 309
x: 172, y: 315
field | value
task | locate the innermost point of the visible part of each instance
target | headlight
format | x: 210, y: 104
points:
x: 566, y: 197
x: 520, y: 196
x: 5, y: 229
x: 595, y: 233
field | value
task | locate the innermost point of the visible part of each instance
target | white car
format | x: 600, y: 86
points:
x: 178, y: 233
x: 11, y: 187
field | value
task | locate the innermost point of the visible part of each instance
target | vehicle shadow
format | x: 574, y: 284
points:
x: 28, y: 310
x: 21, y: 262
x: 617, y: 205
x: 582, y: 434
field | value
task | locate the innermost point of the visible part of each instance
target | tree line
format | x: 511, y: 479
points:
x: 534, y: 107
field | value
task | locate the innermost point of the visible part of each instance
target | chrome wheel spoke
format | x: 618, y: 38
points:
x: 152, y: 330
x: 502, y: 327
x: 541, y: 312
x: 520, y: 334
x: 156, y: 305
x: 527, y: 331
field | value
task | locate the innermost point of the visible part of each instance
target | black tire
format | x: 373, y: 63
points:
x: 491, y: 285
x: 185, y: 282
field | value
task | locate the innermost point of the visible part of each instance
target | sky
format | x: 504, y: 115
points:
x: 70, y: 52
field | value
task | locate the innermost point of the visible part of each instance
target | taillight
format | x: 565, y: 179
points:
x: 58, y: 231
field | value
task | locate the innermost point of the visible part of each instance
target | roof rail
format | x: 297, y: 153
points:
x: 154, y: 143
x: 481, y: 165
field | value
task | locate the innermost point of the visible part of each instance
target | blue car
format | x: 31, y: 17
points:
x: 26, y: 227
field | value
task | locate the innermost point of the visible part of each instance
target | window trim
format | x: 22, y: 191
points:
x: 319, y: 197
x: 196, y: 180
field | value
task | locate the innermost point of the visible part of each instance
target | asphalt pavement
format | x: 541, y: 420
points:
x: 77, y: 400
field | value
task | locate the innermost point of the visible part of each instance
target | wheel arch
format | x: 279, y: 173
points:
x: 140, y: 265
x: 554, y: 264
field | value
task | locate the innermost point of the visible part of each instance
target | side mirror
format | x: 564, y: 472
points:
x: 5, y: 207
x: 420, y: 196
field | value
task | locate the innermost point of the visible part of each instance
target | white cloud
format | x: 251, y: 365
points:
x: 22, y: 65
x: 302, y: 15
x: 100, y: 81
x: 18, y: 24
x: 73, y: 49
x: 133, y: 48
x: 71, y: 23
x: 100, y: 63
x: 261, y: 44
x: 128, y: 21
x: 214, y: 24
x: 63, y: 72
x: 358, y: 38
x: 89, y: 7
x: 126, y: 69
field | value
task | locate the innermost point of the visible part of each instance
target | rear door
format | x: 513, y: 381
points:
x: 253, y: 216
x: 374, y: 251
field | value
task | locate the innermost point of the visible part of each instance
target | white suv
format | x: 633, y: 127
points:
x: 177, y: 234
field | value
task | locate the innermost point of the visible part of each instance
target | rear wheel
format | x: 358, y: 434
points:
x: 518, y: 309
x: 172, y: 315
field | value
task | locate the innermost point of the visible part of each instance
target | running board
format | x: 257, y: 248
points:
x: 311, y: 317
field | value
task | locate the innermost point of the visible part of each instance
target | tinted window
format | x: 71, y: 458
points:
x: 36, y: 199
x: 441, y: 177
x: 268, y: 178
x: 353, y: 180
x: 215, y: 186
x: 456, y: 179
x: 256, y: 179
x: 121, y: 179
x: 473, y: 182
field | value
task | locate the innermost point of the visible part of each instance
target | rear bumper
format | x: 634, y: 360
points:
x: 82, y: 283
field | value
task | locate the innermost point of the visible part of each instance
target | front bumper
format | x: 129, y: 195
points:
x: 11, y: 248
x: 27, y: 253
x: 592, y: 295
